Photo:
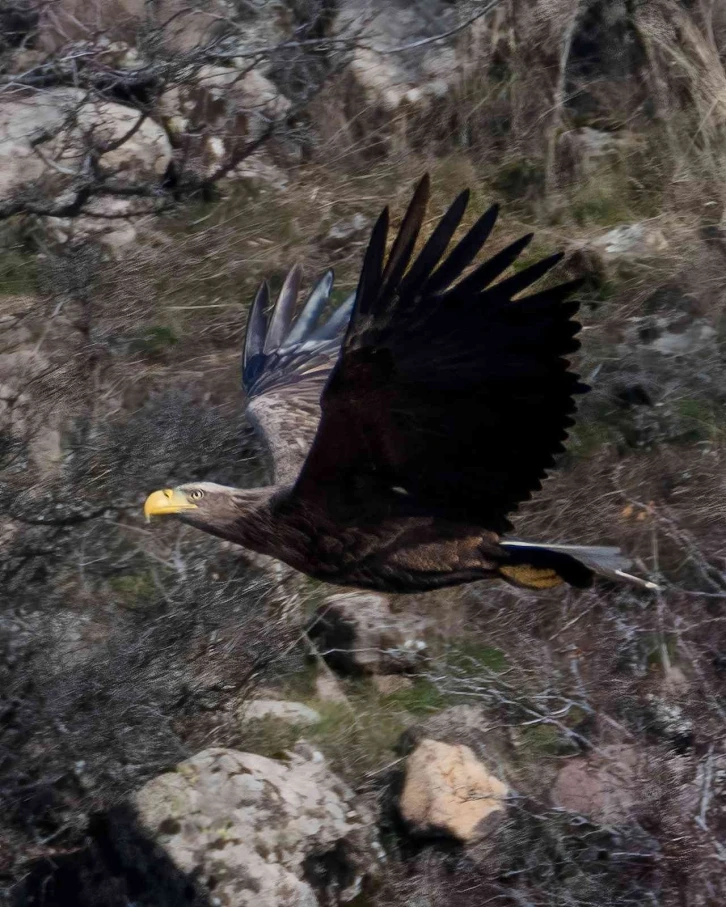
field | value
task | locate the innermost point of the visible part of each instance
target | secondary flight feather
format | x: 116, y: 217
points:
x: 406, y: 427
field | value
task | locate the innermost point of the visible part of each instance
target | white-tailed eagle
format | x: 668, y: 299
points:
x: 408, y: 425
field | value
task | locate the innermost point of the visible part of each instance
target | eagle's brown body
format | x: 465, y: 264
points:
x: 405, y: 428
x: 410, y: 554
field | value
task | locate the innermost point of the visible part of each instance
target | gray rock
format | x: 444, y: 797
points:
x: 604, y: 786
x: 585, y: 151
x: 596, y: 143
x: 630, y: 242
x: 291, y: 712
x: 112, y: 223
x: 667, y: 720
x: 413, y: 80
x: 672, y: 336
x: 357, y: 633
x: 44, y: 140
x: 18, y: 415
x: 346, y: 231
x: 388, y: 684
x: 269, y: 833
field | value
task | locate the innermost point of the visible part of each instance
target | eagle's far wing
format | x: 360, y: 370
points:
x: 285, y: 366
x: 452, y: 394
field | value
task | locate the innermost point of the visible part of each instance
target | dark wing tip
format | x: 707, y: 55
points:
x: 405, y: 241
x: 370, y: 275
x: 529, y: 275
x: 435, y: 246
x: 464, y: 253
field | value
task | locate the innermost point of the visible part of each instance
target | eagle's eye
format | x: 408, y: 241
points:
x: 196, y: 494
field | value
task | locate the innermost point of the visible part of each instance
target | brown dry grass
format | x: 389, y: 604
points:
x: 143, y: 367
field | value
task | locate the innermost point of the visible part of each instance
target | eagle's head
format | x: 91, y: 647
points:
x: 206, y: 505
x: 184, y: 499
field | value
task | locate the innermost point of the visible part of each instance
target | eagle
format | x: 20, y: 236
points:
x: 406, y: 427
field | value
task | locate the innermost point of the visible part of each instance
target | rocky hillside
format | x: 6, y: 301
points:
x: 181, y: 723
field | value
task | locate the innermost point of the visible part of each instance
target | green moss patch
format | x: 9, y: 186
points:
x: 18, y: 274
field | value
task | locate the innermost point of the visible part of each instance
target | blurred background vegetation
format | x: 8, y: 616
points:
x: 158, y: 159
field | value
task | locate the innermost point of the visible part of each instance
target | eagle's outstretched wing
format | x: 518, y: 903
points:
x: 449, y: 398
x: 285, y: 366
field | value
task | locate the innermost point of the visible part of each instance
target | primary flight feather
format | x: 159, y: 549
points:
x: 406, y: 427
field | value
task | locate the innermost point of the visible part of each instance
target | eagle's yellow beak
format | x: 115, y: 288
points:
x: 170, y: 500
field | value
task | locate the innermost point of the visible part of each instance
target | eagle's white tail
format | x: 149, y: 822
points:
x: 575, y: 564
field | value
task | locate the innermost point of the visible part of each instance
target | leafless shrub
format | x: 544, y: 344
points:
x: 85, y: 149
x: 123, y: 650
x: 93, y: 704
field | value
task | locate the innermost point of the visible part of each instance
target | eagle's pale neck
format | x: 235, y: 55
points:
x: 240, y: 515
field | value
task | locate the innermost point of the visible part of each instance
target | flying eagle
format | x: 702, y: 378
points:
x: 407, y: 427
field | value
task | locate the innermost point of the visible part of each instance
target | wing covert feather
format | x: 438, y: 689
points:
x: 285, y: 366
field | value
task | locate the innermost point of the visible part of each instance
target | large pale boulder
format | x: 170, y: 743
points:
x: 390, y: 80
x: 447, y: 790
x: 219, y: 110
x: 113, y: 223
x: 260, y: 832
x: 357, y: 633
x: 44, y: 143
x: 143, y: 148
x: 46, y: 135
x: 36, y: 430
x: 185, y: 25
x: 20, y: 123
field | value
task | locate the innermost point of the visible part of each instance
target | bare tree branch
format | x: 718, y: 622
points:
x: 493, y: 4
